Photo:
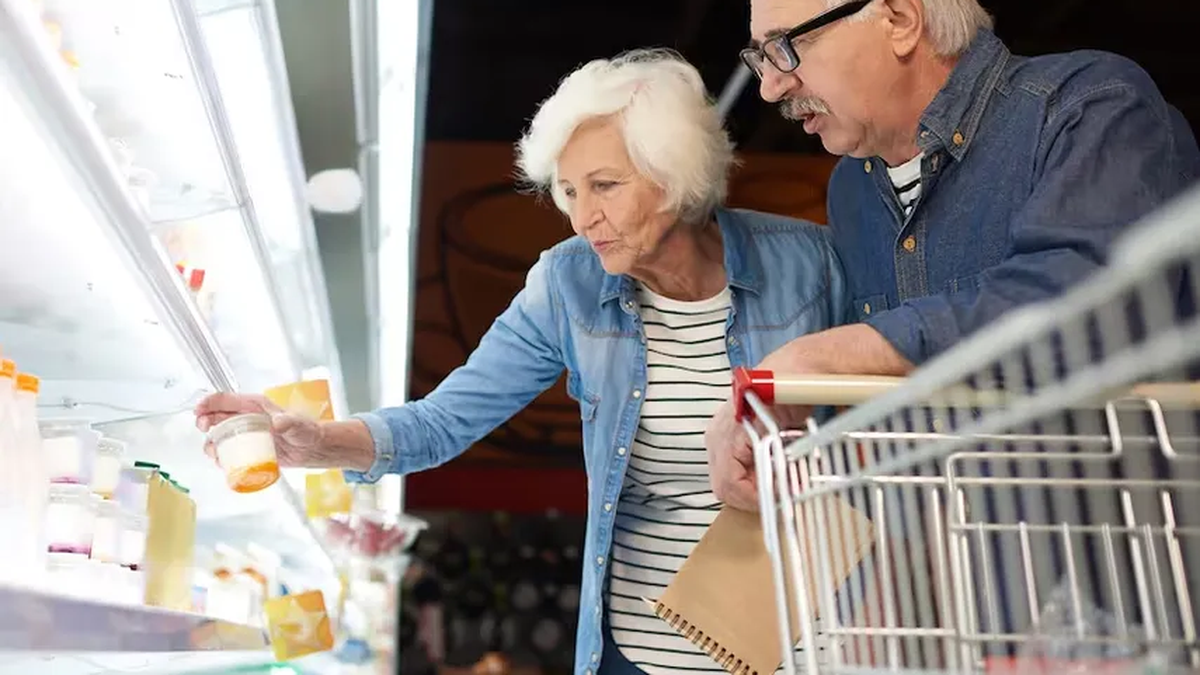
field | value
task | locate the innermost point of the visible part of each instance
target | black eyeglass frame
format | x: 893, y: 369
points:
x: 754, y: 57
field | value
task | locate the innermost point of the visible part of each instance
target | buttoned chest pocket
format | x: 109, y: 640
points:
x: 865, y: 306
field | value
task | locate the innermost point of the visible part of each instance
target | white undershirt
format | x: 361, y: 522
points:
x: 666, y: 503
x: 906, y: 179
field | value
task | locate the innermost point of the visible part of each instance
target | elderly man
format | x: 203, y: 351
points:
x: 972, y: 181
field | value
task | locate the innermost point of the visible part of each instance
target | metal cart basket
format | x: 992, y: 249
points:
x: 1031, y: 498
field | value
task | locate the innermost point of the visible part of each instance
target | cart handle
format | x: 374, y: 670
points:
x: 851, y: 390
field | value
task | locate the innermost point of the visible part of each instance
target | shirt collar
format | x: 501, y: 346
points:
x: 952, y: 119
x: 742, y: 264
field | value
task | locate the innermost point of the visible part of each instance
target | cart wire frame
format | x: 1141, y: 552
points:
x: 1034, y: 492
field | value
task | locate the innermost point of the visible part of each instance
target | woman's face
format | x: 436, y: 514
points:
x: 610, y: 203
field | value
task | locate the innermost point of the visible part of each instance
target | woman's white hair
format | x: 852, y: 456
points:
x: 950, y: 25
x: 672, y: 130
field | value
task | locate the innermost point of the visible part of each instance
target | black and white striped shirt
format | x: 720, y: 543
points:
x: 666, y: 503
x: 906, y: 179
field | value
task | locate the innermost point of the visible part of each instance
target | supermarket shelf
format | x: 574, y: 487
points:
x: 273, y: 517
x: 40, y: 621
x: 84, y: 297
x: 93, y: 303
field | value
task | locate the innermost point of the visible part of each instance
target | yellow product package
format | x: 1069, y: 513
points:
x: 298, y: 625
x: 309, y: 398
x: 326, y: 493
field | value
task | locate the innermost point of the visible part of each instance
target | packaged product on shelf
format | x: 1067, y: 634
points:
x: 263, y: 565
x: 69, y: 519
x: 126, y: 571
x: 12, y: 510
x: 170, y: 543
x: 133, y: 538
x: 233, y: 594
x: 246, y: 450
x: 309, y: 398
x: 70, y: 450
x: 106, y: 473
x: 106, y: 531
x: 24, y: 501
x: 133, y: 486
x: 298, y: 625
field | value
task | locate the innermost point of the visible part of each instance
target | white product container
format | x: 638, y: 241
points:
x: 106, y: 472
x: 69, y: 519
x: 133, y: 486
x: 70, y: 450
x: 246, y: 451
x: 106, y: 531
x: 133, y: 538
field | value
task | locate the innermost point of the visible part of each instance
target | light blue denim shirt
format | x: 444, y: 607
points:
x: 786, y: 281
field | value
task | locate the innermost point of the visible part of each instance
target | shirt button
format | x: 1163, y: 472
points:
x: 732, y: 340
x: 867, y: 166
x: 637, y: 393
x: 866, y: 308
x: 599, y: 560
x: 958, y: 138
x: 588, y: 671
x: 910, y: 244
x: 621, y: 451
x: 629, y: 304
x: 608, y: 507
x: 595, y: 657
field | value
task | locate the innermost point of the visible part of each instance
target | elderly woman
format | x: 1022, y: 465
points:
x: 659, y: 293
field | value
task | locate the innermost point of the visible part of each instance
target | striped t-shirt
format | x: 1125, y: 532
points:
x: 906, y: 179
x: 667, y: 503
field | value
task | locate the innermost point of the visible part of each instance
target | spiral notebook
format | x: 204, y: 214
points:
x: 723, y: 599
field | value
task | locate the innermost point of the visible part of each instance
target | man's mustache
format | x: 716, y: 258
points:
x: 796, y: 109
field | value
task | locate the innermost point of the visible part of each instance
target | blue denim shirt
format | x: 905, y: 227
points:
x: 1031, y: 168
x: 785, y: 279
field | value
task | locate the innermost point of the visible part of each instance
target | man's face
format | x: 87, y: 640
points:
x: 841, y: 67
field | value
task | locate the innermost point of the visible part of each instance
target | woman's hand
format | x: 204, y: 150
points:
x: 298, y: 440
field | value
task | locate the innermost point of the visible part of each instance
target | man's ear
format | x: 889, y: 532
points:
x: 905, y: 24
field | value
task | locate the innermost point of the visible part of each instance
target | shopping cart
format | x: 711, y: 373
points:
x: 1030, y: 501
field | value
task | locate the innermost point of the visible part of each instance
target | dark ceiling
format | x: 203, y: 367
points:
x: 494, y: 60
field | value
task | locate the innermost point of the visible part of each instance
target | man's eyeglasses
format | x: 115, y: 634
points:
x: 779, y: 49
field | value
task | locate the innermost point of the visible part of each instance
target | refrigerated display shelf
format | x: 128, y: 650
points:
x: 94, y: 305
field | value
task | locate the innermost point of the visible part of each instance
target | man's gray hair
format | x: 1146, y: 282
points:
x: 672, y: 129
x: 950, y: 25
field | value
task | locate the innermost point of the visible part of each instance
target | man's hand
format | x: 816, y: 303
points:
x: 846, y: 350
x: 731, y: 460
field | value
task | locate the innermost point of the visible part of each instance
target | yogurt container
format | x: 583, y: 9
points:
x: 70, y: 450
x: 106, y: 470
x: 246, y: 451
